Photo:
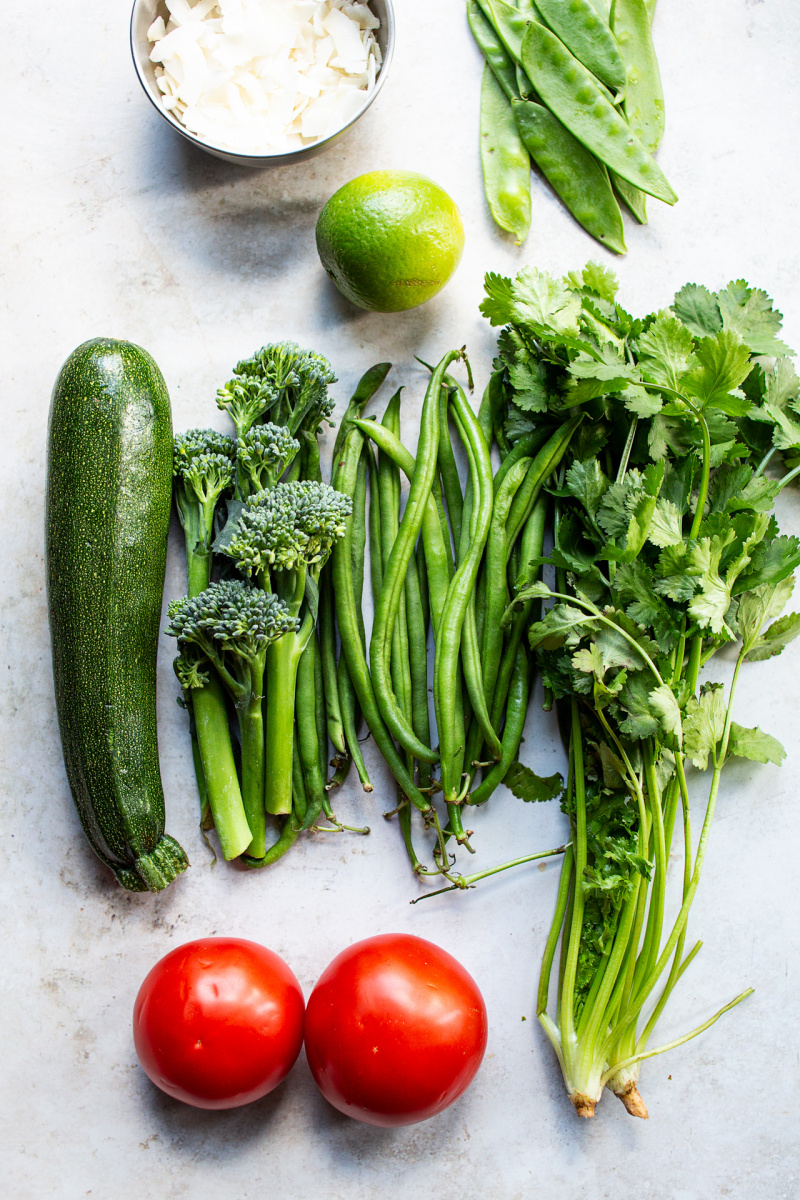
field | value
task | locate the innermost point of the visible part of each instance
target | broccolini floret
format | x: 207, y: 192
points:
x: 287, y: 528
x: 283, y: 537
x: 233, y: 624
x: 282, y: 383
x: 263, y: 454
x: 203, y: 469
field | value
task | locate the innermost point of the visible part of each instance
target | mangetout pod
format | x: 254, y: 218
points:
x: 109, y: 483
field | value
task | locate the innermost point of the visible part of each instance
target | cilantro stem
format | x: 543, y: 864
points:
x: 791, y: 475
x: 567, y: 1022
x: 687, y: 1037
x: 626, y: 453
x: 650, y: 981
x: 765, y: 460
x: 555, y: 929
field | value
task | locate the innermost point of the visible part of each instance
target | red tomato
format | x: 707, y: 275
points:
x: 218, y: 1022
x: 395, y: 1030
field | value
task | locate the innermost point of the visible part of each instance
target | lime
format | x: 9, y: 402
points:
x: 390, y: 240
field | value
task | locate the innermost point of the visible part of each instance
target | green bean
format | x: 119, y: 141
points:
x: 497, y: 401
x: 437, y: 554
x: 505, y: 161
x: 545, y: 463
x: 367, y: 386
x: 650, y: 8
x: 359, y: 540
x: 448, y: 470
x: 327, y: 643
x: 530, y: 550
x: 418, y: 659
x: 644, y: 99
x: 603, y: 9
x: 348, y: 631
x: 395, y: 572
x: 516, y: 712
x: 339, y: 775
x: 485, y: 419
x: 480, y: 483
x: 375, y: 543
x: 526, y: 446
x: 496, y: 585
x: 350, y: 722
x: 570, y: 91
x: 446, y: 664
x: 299, y: 795
x: 589, y: 38
x: 389, y: 500
x: 422, y: 577
x: 404, y: 817
x: 493, y: 50
x: 307, y: 736
x: 319, y: 708
x: 290, y: 831
x: 574, y: 173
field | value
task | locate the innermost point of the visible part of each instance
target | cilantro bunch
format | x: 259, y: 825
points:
x: 665, y: 549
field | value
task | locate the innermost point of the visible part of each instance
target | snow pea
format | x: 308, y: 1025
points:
x: 505, y: 161
x: 580, y: 180
x: 644, y: 99
x: 635, y: 199
x: 570, y: 91
x: 587, y: 35
x: 511, y: 22
x: 493, y: 50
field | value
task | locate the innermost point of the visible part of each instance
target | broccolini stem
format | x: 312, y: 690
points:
x: 219, y: 768
x: 283, y: 658
x: 251, y: 726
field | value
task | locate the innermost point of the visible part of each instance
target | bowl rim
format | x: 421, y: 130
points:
x: 278, y: 156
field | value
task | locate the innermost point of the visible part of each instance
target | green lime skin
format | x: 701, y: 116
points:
x: 390, y: 240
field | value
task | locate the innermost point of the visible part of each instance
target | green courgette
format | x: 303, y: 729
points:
x: 109, y: 487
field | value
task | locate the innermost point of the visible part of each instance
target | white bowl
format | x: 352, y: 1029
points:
x: 142, y: 17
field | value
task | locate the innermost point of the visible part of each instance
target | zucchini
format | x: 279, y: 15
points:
x: 109, y: 487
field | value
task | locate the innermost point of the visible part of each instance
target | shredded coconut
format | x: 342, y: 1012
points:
x: 265, y: 76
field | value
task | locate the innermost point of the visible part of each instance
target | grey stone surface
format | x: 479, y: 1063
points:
x: 113, y: 226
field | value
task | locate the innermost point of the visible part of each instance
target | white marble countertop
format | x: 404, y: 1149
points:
x: 113, y: 226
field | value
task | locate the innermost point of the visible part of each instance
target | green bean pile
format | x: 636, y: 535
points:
x: 574, y: 86
x: 446, y: 568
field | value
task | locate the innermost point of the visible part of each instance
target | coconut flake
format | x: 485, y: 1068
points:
x: 263, y: 76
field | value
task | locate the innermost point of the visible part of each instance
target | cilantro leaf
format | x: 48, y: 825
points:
x: 775, y: 639
x: 666, y: 350
x: 498, y: 307
x: 528, y: 377
x: 666, y: 527
x: 761, y: 605
x: 704, y: 724
x: 600, y: 280
x: 526, y: 785
x: 698, y: 309
x: 748, y: 313
x: 782, y: 383
x: 545, y: 303
x: 772, y: 561
x: 755, y: 745
x: 587, y: 483
x: 664, y: 704
x: 640, y: 402
x: 723, y: 364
